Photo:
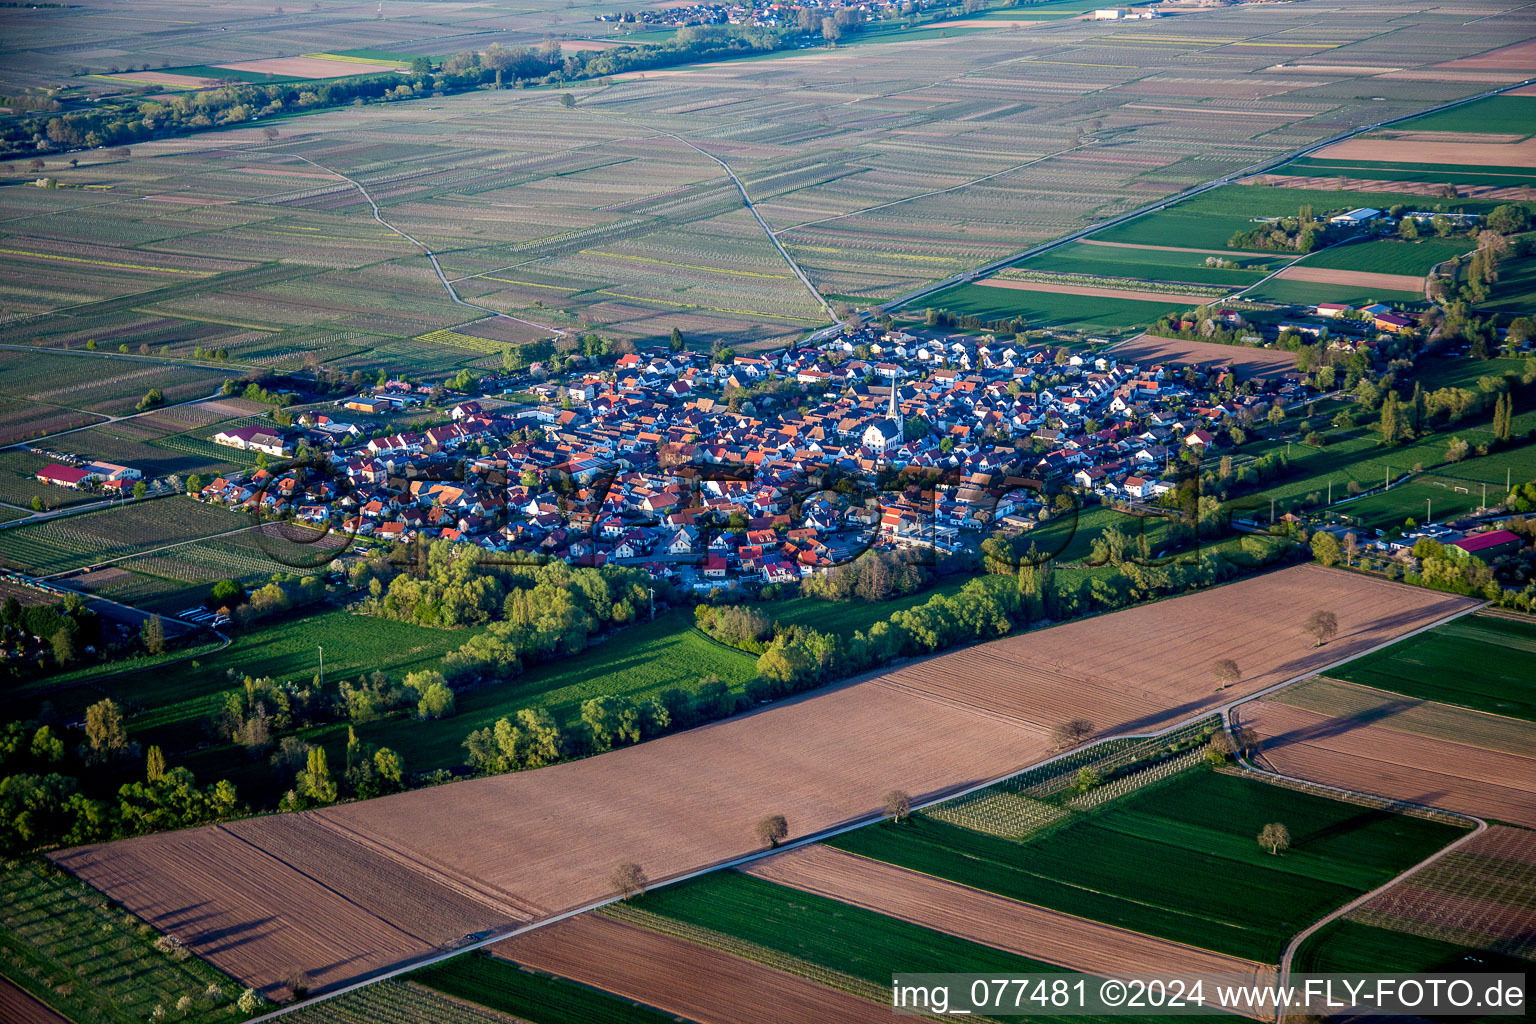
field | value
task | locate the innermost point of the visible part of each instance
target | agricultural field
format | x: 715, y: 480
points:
x: 1515, y: 291
x: 926, y: 727
x: 1247, y: 362
x: 596, y: 217
x: 536, y: 998
x: 1045, y: 309
x: 1399, y: 748
x: 74, y: 542
x: 1286, y: 292
x: 98, y: 383
x: 1164, y: 265
x: 1386, y: 256
x: 1481, y: 895
x: 400, y: 1002
x: 638, y: 661
x: 1482, y: 662
x: 1442, y: 174
x: 1071, y: 942
x: 67, y: 945
x: 683, y: 979
x: 1496, y: 115
x: 1202, y: 879
x: 1209, y: 220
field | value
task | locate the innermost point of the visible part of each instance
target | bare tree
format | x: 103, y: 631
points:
x: 898, y: 805
x: 772, y: 830
x: 1071, y: 733
x: 629, y: 880
x: 298, y: 983
x: 1227, y: 673
x: 1247, y: 740
x: 1275, y: 837
x: 1323, y: 626
x: 1351, y: 548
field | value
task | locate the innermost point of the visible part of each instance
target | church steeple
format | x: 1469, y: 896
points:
x: 894, y: 412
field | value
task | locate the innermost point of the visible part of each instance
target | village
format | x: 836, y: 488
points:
x: 763, y: 469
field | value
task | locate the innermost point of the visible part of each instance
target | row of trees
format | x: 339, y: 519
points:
x: 60, y: 784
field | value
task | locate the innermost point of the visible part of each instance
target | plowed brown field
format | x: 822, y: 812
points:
x: 676, y: 976
x: 248, y: 912
x: 1481, y: 894
x: 990, y: 919
x: 20, y: 1007
x: 1258, y: 362
x: 1353, y: 278
x: 1507, y: 154
x: 1368, y: 754
x: 543, y: 841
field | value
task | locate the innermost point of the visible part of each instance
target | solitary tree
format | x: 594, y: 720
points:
x: 1227, y: 673
x: 1086, y: 779
x: 1325, y: 548
x: 898, y: 805
x: 1275, y: 837
x: 629, y: 880
x: 1247, y: 740
x: 1322, y: 626
x: 772, y: 830
x: 155, y: 766
x: 677, y: 340
x: 567, y: 100
x: 106, y: 736
x: 1070, y: 733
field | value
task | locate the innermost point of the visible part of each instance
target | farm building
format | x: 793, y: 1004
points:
x: 1391, y: 323
x: 1355, y: 218
x: 1488, y: 545
x: 1331, y: 310
x: 64, y: 476
x: 258, y: 439
x: 110, y: 471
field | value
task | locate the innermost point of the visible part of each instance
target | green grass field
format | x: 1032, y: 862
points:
x: 1515, y: 292
x: 843, y: 618
x: 1070, y: 539
x: 636, y: 662
x: 1383, y: 170
x: 66, y: 944
x: 1512, y: 115
x: 1200, y: 876
x: 1150, y: 264
x: 535, y: 998
x: 1480, y: 662
x: 827, y: 933
x: 1045, y: 309
x: 1208, y: 220
x: 1388, y: 256
x: 1347, y: 947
